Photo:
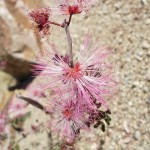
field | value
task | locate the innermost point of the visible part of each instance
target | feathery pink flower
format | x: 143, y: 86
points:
x: 34, y: 92
x: 91, y: 74
x: 68, y: 116
x: 52, y: 65
x: 40, y: 18
x: 17, y: 108
x: 70, y: 7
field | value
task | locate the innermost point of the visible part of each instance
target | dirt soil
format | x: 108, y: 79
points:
x: 125, y: 26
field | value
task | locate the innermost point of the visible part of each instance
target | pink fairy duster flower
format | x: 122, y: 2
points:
x: 34, y: 92
x: 40, y: 17
x: 97, y: 79
x: 17, y: 109
x: 70, y: 7
x: 91, y: 74
x: 51, y: 64
x: 68, y: 116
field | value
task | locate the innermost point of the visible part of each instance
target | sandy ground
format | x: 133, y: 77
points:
x: 125, y: 26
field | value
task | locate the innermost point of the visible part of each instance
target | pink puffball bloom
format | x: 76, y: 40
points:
x: 34, y: 92
x: 68, y: 116
x: 40, y: 18
x: 51, y: 64
x: 70, y: 7
x: 91, y: 74
x: 17, y: 109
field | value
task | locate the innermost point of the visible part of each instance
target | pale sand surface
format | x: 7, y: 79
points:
x: 125, y: 26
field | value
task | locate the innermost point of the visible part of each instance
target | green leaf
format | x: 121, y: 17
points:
x: 108, y: 117
x: 107, y: 121
x: 103, y: 127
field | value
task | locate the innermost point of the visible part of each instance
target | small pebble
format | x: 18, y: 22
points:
x: 145, y: 45
x: 118, y: 5
x: 140, y: 52
x: 137, y: 135
x: 125, y: 124
x: 127, y: 140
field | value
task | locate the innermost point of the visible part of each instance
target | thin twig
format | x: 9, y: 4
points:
x: 65, y: 25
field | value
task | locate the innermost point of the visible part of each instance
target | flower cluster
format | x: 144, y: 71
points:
x: 87, y: 82
x: 67, y: 7
x: 42, y: 17
x: 79, y: 85
x: 17, y: 109
x: 35, y: 92
x: 91, y: 74
x: 68, y: 114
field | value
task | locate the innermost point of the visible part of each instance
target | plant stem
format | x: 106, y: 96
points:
x: 69, y: 19
x: 54, y: 23
x: 66, y: 25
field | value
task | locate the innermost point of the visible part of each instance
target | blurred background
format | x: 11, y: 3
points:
x: 125, y: 26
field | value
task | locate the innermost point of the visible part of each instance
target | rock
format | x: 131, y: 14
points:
x: 127, y: 140
x: 118, y: 5
x: 137, y: 135
x: 140, y: 53
x: 139, y: 58
x: 18, y: 12
x: 5, y: 36
x: 145, y: 45
x: 17, y: 67
x: 126, y: 128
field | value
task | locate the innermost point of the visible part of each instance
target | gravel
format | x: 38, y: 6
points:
x: 125, y: 26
